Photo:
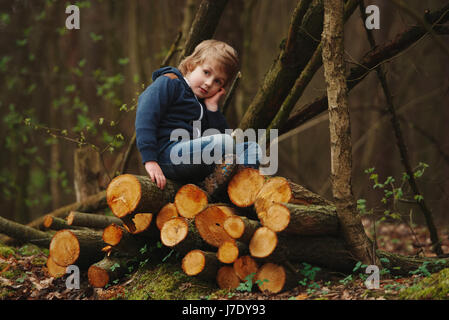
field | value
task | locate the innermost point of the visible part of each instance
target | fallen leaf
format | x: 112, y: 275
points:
x: 302, y: 296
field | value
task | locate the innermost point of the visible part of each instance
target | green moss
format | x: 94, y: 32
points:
x: 29, y: 250
x: 39, y: 261
x: 6, y: 251
x: 5, y: 293
x: 166, y: 281
x: 12, y: 274
x: 435, y: 287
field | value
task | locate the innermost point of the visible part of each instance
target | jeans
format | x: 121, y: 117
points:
x: 193, y: 160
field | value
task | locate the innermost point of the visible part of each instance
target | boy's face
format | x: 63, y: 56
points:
x: 206, y: 79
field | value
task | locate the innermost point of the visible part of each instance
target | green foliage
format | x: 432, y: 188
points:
x: 248, y: 285
x: 435, y: 287
x: 309, y: 272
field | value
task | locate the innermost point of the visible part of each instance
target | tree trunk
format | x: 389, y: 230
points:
x: 91, y: 220
x: 204, y: 25
x: 86, y: 172
x: 340, y: 134
x: 372, y: 59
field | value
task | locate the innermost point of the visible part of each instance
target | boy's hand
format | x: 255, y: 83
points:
x: 212, y: 102
x: 155, y: 172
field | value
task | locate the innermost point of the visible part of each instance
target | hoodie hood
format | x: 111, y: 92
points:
x: 165, y: 70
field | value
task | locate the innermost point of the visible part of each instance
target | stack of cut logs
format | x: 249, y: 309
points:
x: 228, y: 231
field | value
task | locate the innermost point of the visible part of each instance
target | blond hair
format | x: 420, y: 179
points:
x: 221, y: 52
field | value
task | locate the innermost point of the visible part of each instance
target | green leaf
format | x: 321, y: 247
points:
x: 95, y: 37
x: 123, y: 61
x: 115, y: 266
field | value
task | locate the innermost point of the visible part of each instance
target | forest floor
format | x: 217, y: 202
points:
x: 23, y: 275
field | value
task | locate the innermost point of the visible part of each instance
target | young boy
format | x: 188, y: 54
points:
x: 180, y: 99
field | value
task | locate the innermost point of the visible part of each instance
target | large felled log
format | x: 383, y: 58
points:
x: 142, y: 225
x: 245, y: 266
x: 24, y: 233
x: 202, y: 264
x: 180, y: 234
x: 55, y: 270
x: 55, y: 223
x: 279, y: 189
x: 80, y: 247
x: 92, y: 203
x: 123, y: 241
x: 108, y: 269
x: 90, y: 220
x: 263, y: 242
x: 229, y: 251
x: 129, y: 194
x: 244, y: 187
x: 227, y: 278
x: 301, y: 219
x: 190, y: 200
x: 275, y: 278
x: 241, y: 228
x: 167, y: 212
x: 324, y: 251
x: 209, y: 224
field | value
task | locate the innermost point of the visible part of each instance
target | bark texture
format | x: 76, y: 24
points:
x: 340, y: 133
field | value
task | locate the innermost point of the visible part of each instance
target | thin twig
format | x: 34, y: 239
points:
x: 402, y: 147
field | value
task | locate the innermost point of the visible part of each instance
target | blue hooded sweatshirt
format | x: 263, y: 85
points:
x: 168, y: 104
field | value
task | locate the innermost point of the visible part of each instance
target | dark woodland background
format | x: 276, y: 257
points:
x: 59, y: 87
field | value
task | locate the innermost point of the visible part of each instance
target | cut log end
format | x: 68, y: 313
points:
x: 123, y: 194
x: 112, y: 234
x: 70, y: 218
x: 276, y: 189
x: 263, y: 242
x: 64, y: 248
x: 245, y: 266
x: 48, y: 220
x: 168, y: 212
x: 227, y: 278
x: 190, y: 200
x: 139, y: 223
x: 193, y: 262
x: 174, y: 231
x: 244, y: 187
x: 228, y: 252
x: 234, y: 226
x: 271, y: 277
x: 55, y: 270
x: 209, y: 224
x: 98, y: 277
x: 277, y: 217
